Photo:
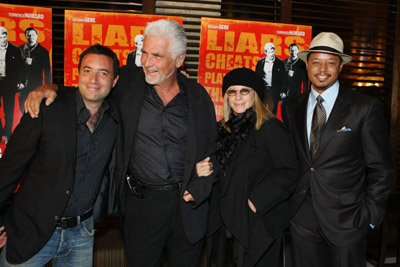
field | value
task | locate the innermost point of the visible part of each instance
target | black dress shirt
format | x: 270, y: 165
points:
x: 93, y: 152
x: 159, y: 149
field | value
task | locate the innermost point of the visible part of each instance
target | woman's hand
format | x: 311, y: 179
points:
x: 3, y: 237
x: 204, y: 167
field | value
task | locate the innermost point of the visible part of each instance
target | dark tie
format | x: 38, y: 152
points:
x: 317, y: 126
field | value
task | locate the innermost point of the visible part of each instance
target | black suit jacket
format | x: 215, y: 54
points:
x: 130, y: 60
x: 264, y: 170
x: 351, y: 175
x: 298, y: 82
x: 201, y: 135
x: 39, y: 71
x: 279, y: 78
x: 43, y: 151
x: 15, y: 71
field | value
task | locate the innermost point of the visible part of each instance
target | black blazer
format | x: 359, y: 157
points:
x: 39, y: 71
x: 43, y: 152
x: 264, y: 170
x: 299, y: 80
x: 201, y: 135
x: 15, y: 71
x: 130, y: 60
x: 279, y: 78
x: 351, y: 175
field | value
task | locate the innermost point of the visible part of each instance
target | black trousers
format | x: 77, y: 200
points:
x: 312, y: 249
x: 153, y: 229
x: 227, y: 251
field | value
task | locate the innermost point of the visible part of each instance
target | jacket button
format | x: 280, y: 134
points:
x: 312, y: 169
x: 56, y: 218
x: 67, y: 192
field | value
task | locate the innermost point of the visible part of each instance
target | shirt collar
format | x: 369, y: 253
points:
x: 83, y: 113
x: 291, y: 61
x: 269, y: 60
x: 329, y: 95
x: 30, y: 48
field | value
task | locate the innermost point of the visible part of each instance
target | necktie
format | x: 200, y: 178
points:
x: 317, y: 125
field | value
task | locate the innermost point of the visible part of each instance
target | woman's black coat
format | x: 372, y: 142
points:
x: 264, y: 170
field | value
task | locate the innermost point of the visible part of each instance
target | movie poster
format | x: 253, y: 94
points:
x: 122, y: 32
x: 25, y: 64
x: 270, y: 49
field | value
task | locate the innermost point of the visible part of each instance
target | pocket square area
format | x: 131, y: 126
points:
x: 344, y: 129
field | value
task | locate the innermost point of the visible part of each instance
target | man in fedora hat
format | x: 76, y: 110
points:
x: 344, y: 159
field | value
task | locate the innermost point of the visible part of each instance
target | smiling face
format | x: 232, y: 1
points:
x: 96, y: 78
x: 158, y: 64
x: 238, y: 102
x: 323, y: 70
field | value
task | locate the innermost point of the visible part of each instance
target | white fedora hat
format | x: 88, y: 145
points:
x: 326, y: 42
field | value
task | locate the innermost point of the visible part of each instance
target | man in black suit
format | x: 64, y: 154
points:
x: 296, y: 73
x: 168, y: 125
x: 61, y: 156
x: 37, y: 65
x: 12, y: 77
x: 345, y: 163
x: 272, y: 70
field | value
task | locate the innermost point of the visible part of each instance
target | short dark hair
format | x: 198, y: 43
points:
x: 101, y: 50
x: 293, y: 44
x: 30, y: 29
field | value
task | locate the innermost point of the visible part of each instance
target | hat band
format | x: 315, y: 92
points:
x: 326, y: 48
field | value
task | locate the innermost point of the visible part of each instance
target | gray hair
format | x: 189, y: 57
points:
x: 138, y: 38
x: 171, y: 29
x: 268, y: 46
x: 3, y: 30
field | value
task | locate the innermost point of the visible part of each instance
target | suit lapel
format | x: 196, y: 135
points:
x: 68, y: 123
x: 131, y: 107
x: 300, y: 115
x: 339, y: 113
x: 191, y: 133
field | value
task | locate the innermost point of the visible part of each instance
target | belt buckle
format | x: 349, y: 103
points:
x: 62, y: 223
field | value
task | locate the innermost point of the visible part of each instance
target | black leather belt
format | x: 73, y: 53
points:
x: 68, y: 222
x: 138, y: 188
x: 167, y: 187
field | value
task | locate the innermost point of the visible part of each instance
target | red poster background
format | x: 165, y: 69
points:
x: 115, y: 30
x: 16, y: 19
x: 229, y: 44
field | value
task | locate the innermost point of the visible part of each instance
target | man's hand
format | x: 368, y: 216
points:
x: 187, y: 196
x: 204, y: 167
x: 3, y: 237
x: 32, y: 103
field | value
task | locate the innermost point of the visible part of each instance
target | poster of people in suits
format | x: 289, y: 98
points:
x: 25, y: 60
x: 261, y: 46
x: 122, y: 32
